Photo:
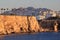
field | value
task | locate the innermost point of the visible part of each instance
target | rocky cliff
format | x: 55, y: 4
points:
x: 18, y: 24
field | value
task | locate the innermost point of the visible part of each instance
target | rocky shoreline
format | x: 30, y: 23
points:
x: 16, y: 24
x: 20, y: 24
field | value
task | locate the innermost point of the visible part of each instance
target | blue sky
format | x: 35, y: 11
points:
x: 51, y: 4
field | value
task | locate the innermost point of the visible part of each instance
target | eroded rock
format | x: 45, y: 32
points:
x: 34, y: 26
x: 17, y: 24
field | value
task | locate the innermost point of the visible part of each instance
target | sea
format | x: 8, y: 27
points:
x: 32, y: 36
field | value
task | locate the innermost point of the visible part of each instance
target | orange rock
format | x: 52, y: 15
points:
x: 17, y: 24
x: 2, y: 28
x: 22, y: 23
x: 34, y: 26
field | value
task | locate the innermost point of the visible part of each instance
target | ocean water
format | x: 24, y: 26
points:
x: 33, y: 36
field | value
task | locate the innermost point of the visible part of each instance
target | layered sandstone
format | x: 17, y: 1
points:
x: 17, y: 24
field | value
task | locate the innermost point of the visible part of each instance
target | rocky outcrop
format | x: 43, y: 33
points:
x: 49, y: 25
x: 34, y: 27
x: 18, y: 24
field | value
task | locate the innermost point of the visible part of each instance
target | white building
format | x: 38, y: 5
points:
x: 40, y: 17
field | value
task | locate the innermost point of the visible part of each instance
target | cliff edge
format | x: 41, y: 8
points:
x: 18, y: 24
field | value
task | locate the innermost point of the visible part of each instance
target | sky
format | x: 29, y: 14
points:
x: 51, y: 4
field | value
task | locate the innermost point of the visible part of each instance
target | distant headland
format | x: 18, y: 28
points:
x: 28, y: 20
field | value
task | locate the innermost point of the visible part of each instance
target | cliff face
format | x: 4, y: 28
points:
x: 34, y: 27
x: 17, y: 24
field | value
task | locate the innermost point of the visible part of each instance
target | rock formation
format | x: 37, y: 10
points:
x: 34, y: 27
x: 18, y: 24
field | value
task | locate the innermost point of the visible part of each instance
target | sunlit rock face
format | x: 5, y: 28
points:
x: 22, y: 23
x: 34, y: 27
x: 55, y: 27
x: 2, y: 28
x: 8, y: 23
x: 18, y: 24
